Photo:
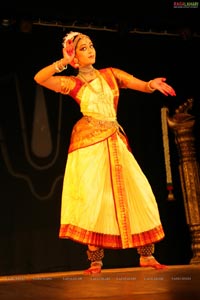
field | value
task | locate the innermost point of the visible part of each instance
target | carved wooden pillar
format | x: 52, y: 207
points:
x: 182, y: 125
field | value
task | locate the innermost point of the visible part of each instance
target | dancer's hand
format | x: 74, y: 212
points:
x: 161, y: 85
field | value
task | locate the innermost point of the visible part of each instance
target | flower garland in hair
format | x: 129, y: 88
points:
x: 165, y: 137
x: 69, y: 37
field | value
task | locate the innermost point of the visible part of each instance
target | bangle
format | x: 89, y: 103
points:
x: 149, y: 86
x: 59, y: 66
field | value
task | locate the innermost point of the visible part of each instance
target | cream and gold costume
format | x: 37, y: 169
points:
x: 107, y: 200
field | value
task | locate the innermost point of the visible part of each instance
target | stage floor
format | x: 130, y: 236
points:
x: 179, y: 282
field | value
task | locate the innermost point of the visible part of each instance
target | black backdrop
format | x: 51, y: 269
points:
x: 31, y: 187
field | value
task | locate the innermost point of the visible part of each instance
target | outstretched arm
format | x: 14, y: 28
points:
x: 129, y: 81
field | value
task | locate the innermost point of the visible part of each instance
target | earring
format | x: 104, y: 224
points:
x: 76, y: 64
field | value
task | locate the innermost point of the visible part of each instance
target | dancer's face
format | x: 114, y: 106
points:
x: 85, y: 52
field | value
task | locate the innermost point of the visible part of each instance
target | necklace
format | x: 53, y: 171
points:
x: 101, y: 92
x: 87, y: 71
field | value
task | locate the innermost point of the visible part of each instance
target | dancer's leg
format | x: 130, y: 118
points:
x: 146, y: 257
x: 95, y: 256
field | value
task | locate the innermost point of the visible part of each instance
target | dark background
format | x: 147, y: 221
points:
x: 155, y: 40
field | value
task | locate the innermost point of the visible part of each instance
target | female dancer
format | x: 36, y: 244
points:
x: 107, y: 201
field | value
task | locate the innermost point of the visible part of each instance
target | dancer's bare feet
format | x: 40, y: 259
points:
x: 150, y: 261
x: 94, y: 269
